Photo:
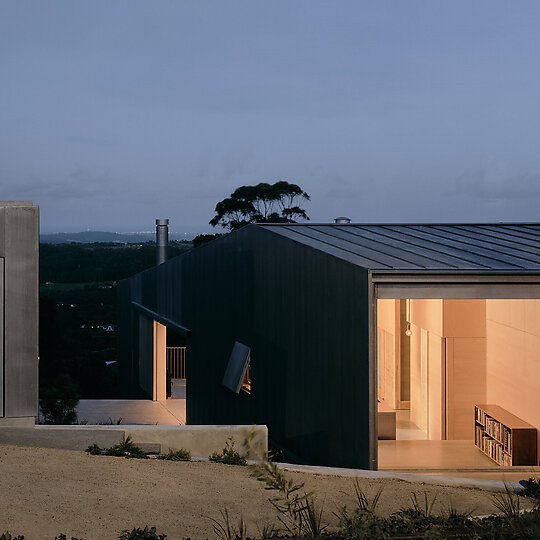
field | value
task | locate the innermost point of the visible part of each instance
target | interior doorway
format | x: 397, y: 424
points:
x: 169, y: 364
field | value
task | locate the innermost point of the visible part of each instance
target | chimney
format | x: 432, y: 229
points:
x: 162, y: 240
x: 342, y: 220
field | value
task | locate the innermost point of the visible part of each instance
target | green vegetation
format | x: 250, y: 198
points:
x: 224, y: 529
x: 229, y: 455
x: 142, y: 534
x: 177, y: 455
x: 58, y: 400
x: 135, y: 534
x: 263, y: 203
x: 532, y: 488
x: 91, y: 263
x: 78, y: 316
x: 7, y: 536
x: 124, y: 449
x: 297, y: 511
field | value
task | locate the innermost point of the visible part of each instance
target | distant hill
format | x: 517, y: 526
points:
x: 89, y: 237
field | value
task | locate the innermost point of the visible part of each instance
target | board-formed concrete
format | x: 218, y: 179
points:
x: 19, y: 251
x: 62, y: 437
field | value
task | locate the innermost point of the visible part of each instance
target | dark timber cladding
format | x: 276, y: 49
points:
x: 304, y: 315
x: 303, y: 299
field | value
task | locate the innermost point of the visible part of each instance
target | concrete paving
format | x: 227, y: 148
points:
x: 171, y: 412
x: 490, y: 485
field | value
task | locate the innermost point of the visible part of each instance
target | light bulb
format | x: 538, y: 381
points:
x: 408, y: 332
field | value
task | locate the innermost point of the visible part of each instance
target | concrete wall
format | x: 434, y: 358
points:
x: 513, y: 357
x: 19, y: 249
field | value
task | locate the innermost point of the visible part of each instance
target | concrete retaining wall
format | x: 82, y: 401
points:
x: 67, y: 438
x: 201, y: 441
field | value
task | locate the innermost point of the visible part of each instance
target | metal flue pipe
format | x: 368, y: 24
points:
x: 162, y: 240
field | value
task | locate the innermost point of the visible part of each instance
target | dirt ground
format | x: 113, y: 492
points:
x: 45, y: 492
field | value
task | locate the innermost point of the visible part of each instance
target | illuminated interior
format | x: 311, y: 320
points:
x: 459, y: 353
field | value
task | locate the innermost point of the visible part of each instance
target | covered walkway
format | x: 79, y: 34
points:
x: 171, y: 412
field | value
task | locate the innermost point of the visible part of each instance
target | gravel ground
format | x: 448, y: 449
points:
x: 46, y: 492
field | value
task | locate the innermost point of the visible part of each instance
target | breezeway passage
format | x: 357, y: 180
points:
x: 133, y: 411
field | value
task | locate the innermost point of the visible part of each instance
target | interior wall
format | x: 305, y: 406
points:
x: 387, y: 326
x: 464, y: 329
x: 160, y: 362
x: 448, y: 365
x: 426, y: 366
x: 513, y: 357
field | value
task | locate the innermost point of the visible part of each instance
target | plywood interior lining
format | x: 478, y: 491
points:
x: 463, y: 352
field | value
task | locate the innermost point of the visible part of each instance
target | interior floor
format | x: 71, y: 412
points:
x: 407, y: 430
x: 413, y: 455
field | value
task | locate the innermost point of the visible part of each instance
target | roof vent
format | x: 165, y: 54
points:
x: 342, y: 220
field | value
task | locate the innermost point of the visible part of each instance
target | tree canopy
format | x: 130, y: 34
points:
x: 263, y: 203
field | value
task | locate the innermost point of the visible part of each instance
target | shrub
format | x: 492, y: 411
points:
x: 7, y: 536
x: 58, y: 402
x: 142, y: 534
x: 298, y: 512
x: 532, y: 488
x: 177, y: 455
x: 94, y: 450
x: 229, y: 455
x: 124, y: 449
x: 224, y: 530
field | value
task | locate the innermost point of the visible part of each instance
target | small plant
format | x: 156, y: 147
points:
x: 311, y: 518
x: 426, y: 509
x: 508, y: 503
x: 362, y: 521
x: 108, y: 422
x: 297, y: 511
x: 267, y: 531
x: 142, y: 534
x: 226, y: 531
x: 229, y: 455
x: 362, y: 500
x: 62, y: 536
x: 7, y: 536
x: 123, y: 449
x: 94, y: 450
x: 177, y: 455
x: 532, y: 488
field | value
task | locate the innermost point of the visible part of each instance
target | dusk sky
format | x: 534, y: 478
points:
x: 114, y: 113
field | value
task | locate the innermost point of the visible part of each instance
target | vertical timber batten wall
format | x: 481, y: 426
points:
x: 19, y: 250
x: 303, y: 313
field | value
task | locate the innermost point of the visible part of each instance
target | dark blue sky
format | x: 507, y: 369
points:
x: 113, y: 113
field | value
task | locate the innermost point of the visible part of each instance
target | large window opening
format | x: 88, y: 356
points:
x: 455, y: 380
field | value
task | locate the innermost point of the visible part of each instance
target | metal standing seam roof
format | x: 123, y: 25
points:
x: 510, y: 247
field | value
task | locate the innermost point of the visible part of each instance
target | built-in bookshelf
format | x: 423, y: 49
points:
x: 504, y: 437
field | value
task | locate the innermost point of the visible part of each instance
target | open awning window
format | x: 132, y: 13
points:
x: 236, y: 376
